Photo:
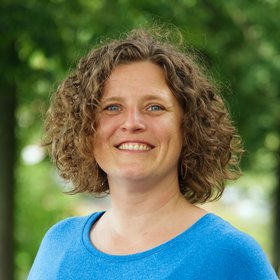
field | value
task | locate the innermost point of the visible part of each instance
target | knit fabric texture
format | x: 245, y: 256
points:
x: 210, y: 249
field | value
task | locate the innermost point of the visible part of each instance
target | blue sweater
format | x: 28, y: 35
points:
x: 210, y: 249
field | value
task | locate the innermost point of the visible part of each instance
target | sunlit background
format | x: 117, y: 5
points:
x: 238, y: 42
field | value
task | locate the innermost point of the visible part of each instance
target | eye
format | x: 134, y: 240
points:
x: 113, y: 107
x: 155, y: 108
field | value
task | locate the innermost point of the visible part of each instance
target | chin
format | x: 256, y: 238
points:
x: 133, y: 174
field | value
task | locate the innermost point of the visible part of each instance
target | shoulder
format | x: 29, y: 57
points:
x: 243, y: 253
x: 232, y: 238
x: 224, y: 237
x: 62, y: 238
x: 66, y: 225
x: 228, y: 237
x: 66, y: 231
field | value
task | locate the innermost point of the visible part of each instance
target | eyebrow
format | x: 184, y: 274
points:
x: 113, y: 98
x: 147, y: 97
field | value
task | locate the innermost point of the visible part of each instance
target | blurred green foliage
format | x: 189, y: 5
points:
x: 39, y: 204
x: 238, y: 41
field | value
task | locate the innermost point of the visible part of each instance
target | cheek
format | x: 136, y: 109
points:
x: 176, y: 133
x: 175, y: 125
x: 169, y: 130
x: 106, y: 127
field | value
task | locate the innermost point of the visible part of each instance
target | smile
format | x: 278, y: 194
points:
x: 134, y: 147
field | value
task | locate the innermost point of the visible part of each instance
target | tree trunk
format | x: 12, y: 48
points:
x: 276, y: 243
x: 7, y: 166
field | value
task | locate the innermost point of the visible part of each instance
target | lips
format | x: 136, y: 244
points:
x: 134, y: 146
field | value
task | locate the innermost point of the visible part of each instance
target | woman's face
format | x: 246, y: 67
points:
x: 139, y: 134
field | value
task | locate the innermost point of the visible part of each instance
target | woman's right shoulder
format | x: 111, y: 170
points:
x: 58, y: 240
x: 67, y: 229
x: 69, y: 223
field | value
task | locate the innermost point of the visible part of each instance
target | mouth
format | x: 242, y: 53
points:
x: 134, y: 146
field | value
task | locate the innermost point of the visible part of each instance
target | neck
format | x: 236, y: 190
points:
x: 143, y: 217
x: 134, y: 208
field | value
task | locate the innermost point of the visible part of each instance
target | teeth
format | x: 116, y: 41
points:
x: 134, y: 147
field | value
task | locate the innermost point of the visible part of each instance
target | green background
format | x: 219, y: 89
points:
x: 238, y: 41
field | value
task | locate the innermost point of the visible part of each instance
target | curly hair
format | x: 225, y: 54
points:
x: 211, y: 149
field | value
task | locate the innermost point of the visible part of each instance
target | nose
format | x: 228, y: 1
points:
x: 133, y: 120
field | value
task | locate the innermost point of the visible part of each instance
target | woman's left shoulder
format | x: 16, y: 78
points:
x: 230, y: 236
x: 243, y: 250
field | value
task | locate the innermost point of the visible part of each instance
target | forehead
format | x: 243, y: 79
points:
x: 142, y: 69
x: 142, y: 76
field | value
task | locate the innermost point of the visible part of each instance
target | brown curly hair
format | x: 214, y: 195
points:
x: 211, y: 146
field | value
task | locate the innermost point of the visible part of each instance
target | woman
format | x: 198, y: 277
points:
x: 138, y: 120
